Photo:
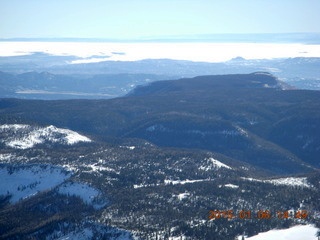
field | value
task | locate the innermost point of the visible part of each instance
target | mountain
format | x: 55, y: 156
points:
x: 209, y: 157
x: 48, y: 86
x: 44, y: 76
x: 246, y: 117
x: 21, y: 136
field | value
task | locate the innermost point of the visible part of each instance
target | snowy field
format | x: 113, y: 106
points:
x: 203, y: 52
x: 300, y: 232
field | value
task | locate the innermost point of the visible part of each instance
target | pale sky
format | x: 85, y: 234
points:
x: 134, y: 19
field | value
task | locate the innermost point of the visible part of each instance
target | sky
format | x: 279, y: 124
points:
x: 139, y: 19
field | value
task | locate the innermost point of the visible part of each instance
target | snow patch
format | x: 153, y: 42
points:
x: 22, y: 136
x: 14, y: 127
x: 242, y: 131
x: 83, y: 234
x: 25, y: 181
x: 182, y: 196
x: 88, y: 231
x: 289, y: 181
x: 213, y: 164
x: 6, y: 157
x: 88, y: 194
x: 145, y: 185
x: 305, y: 232
x: 231, y: 185
x: 96, y: 168
x: 175, y: 182
x: 128, y: 147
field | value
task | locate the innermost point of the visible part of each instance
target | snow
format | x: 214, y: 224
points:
x: 182, y: 196
x: 13, y: 127
x: 88, y: 231
x: 70, y: 168
x: 289, y: 181
x: 242, y: 131
x: 181, y: 237
x: 175, y: 182
x: 231, y: 185
x: 88, y: 194
x: 145, y: 185
x: 128, y: 147
x: 96, y: 168
x: 21, y: 136
x: 25, y: 181
x: 84, y: 234
x: 300, y: 232
x: 6, y: 156
x: 252, y: 179
x: 214, y: 164
x: 219, y: 164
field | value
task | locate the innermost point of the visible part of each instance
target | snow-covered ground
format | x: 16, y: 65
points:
x: 229, y: 185
x: 88, y: 194
x: 21, y: 136
x: 25, y: 181
x: 175, y: 182
x: 213, y: 164
x: 83, y: 234
x: 89, y: 231
x: 300, y: 232
x: 182, y: 196
x: 6, y: 157
x: 289, y: 181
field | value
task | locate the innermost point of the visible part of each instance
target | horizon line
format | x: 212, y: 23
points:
x: 294, y: 37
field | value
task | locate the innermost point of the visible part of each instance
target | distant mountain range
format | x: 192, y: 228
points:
x: 42, y: 76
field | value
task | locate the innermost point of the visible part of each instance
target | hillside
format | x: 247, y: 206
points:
x: 246, y: 117
x: 157, y: 162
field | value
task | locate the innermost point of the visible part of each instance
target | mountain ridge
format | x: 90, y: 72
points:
x: 210, y: 111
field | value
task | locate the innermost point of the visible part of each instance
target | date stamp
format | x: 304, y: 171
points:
x: 260, y: 214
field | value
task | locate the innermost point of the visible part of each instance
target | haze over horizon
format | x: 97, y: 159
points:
x: 144, y: 19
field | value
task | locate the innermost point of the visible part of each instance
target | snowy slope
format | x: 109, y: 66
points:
x: 25, y: 181
x: 289, y: 181
x: 300, y: 232
x: 88, y: 194
x: 21, y: 136
x: 212, y: 163
x: 89, y: 231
